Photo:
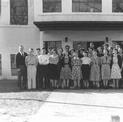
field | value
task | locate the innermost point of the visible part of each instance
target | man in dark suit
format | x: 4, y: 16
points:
x: 38, y: 53
x: 21, y: 68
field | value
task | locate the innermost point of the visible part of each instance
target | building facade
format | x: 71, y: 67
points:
x: 55, y: 23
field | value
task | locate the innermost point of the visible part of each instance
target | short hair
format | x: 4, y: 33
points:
x: 43, y: 48
x: 67, y: 46
x: 21, y: 46
x: 85, y: 52
x: 38, y: 49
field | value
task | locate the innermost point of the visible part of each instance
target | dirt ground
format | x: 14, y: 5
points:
x: 16, y: 105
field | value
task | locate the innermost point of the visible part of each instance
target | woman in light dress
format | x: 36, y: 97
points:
x: 116, y: 68
x: 95, y: 70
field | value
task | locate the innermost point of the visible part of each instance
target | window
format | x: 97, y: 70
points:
x: 52, y: 44
x: 86, y: 5
x: 51, y: 5
x: 117, y: 6
x: 82, y: 43
x: 13, y: 64
x: 19, y: 12
x: 0, y: 64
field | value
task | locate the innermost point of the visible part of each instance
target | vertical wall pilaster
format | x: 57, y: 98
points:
x: 5, y: 12
x: 66, y: 6
x: 107, y: 6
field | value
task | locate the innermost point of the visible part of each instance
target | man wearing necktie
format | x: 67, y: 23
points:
x: 21, y: 68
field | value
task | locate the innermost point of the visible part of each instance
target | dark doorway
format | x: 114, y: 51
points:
x: 96, y: 44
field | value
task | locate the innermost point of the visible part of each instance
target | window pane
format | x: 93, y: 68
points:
x: 52, y: 44
x: 117, y: 6
x: 51, y: 5
x: 13, y: 64
x: 0, y: 6
x: 0, y: 64
x: 86, y: 5
x: 19, y: 12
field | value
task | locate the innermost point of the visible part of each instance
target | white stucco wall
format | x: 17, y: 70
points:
x: 10, y: 38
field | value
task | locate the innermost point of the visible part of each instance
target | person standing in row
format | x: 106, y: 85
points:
x: 95, y: 70
x: 43, y: 69
x: 85, y: 69
x: 38, y: 85
x: 116, y: 68
x: 105, y: 68
x: 76, y: 70
x: 65, y: 75
x: 31, y: 62
x: 21, y: 68
x: 60, y: 65
x: 53, y: 68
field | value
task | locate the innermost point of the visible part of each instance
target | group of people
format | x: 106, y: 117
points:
x: 80, y: 68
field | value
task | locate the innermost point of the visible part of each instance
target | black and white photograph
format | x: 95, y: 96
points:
x: 61, y: 60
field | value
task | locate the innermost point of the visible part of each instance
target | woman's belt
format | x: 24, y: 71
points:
x: 105, y: 63
x: 31, y: 64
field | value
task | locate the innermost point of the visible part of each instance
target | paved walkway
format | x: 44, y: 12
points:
x: 81, y: 106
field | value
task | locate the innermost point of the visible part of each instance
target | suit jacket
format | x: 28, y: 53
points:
x: 20, y: 60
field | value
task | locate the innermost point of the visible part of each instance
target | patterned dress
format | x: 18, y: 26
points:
x: 105, y: 68
x: 66, y: 71
x: 76, y: 69
x: 115, y: 71
x: 95, y: 69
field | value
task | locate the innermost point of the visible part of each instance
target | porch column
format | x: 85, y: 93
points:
x: 41, y: 39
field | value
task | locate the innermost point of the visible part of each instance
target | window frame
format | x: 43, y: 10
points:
x: 52, y: 12
x: 116, y: 12
x: 13, y: 73
x: 15, y: 9
x: 92, y: 12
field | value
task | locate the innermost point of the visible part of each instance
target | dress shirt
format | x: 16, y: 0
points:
x: 31, y: 60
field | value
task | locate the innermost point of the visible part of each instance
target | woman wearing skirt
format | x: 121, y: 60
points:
x: 85, y: 69
x: 60, y: 65
x: 65, y: 74
x: 53, y: 67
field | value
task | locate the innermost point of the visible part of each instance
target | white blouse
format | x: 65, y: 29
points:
x: 43, y: 59
x: 86, y: 60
